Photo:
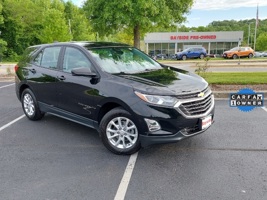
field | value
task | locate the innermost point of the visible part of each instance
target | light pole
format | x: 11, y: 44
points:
x: 249, y: 32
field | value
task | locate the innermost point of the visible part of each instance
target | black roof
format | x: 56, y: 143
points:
x: 87, y: 44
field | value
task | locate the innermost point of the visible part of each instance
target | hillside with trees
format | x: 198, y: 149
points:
x: 248, y: 26
x: 29, y: 22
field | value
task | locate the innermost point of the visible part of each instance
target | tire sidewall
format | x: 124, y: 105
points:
x: 114, y: 113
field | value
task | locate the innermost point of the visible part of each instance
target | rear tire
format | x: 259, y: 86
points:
x: 250, y: 55
x: 30, y: 105
x: 201, y: 56
x: 119, y: 132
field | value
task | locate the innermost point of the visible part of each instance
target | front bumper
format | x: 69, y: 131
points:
x: 176, y: 123
x: 147, y: 140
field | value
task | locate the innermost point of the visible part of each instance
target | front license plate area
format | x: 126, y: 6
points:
x: 206, y: 122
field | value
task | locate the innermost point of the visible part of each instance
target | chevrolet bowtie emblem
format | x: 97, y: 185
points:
x: 201, y: 94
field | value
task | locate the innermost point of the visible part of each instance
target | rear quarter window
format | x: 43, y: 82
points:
x: 27, y: 55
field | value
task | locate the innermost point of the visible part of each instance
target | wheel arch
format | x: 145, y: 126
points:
x: 109, y: 105
x: 22, y: 88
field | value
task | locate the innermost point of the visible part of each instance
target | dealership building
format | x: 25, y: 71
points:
x: 170, y: 43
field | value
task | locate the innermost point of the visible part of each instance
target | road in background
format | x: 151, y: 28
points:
x: 221, y: 66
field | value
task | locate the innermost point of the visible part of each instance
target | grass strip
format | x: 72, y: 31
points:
x: 241, y: 78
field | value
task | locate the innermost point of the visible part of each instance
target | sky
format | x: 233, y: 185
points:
x: 204, y: 12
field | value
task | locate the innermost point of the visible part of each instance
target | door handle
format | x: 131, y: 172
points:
x: 62, y: 78
x: 32, y: 71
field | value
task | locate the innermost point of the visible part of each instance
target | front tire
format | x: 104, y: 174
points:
x: 250, y: 55
x: 119, y: 132
x: 184, y: 57
x: 201, y: 56
x: 30, y: 105
x: 234, y: 56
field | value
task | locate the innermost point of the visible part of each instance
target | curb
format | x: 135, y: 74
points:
x: 7, y: 79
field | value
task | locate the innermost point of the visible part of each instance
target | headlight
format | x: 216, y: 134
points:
x: 158, y: 100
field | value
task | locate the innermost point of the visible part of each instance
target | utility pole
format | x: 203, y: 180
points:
x: 249, y: 32
x: 256, y: 26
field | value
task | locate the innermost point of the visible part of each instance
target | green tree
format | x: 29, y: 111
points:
x: 54, y: 27
x: 18, y: 27
x: 1, y: 16
x: 141, y: 16
x: 2, y: 42
x: 261, y: 43
x: 78, y: 24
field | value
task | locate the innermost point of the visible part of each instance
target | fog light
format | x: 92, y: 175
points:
x: 152, y: 125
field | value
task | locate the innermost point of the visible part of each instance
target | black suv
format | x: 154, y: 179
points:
x: 128, y: 97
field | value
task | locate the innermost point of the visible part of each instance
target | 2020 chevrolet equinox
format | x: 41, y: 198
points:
x: 128, y: 97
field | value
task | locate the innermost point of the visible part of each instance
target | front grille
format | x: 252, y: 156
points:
x: 197, y: 107
x: 192, y: 95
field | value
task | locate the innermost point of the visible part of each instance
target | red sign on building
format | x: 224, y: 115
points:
x: 193, y: 37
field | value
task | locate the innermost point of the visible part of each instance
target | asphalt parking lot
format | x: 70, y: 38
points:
x: 55, y: 159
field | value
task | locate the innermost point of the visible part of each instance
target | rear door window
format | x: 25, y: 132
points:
x: 48, y: 57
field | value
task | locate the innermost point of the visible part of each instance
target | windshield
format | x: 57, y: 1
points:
x: 186, y: 50
x: 123, y: 60
x: 234, y: 49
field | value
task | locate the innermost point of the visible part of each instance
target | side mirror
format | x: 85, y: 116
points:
x: 83, y: 71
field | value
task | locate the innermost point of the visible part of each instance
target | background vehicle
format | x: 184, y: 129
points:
x: 161, y: 56
x: 264, y: 54
x: 239, y: 52
x: 128, y: 97
x: 258, y: 54
x: 195, y: 52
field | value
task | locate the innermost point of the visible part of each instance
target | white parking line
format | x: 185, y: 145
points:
x: 264, y: 108
x: 12, y: 122
x: 7, y: 85
x: 126, y: 178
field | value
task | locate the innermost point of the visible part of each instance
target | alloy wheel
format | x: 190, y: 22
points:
x: 122, y: 133
x: 28, y: 104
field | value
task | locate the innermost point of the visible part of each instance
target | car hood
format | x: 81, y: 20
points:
x: 167, y: 81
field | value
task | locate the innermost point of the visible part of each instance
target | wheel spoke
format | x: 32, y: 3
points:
x: 131, y: 134
x: 118, y: 142
x: 126, y: 123
x: 130, y: 139
x: 120, y: 122
x: 130, y: 127
x: 31, y: 109
x: 112, y: 131
x: 123, y: 143
x: 113, y: 136
x: 115, y: 125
